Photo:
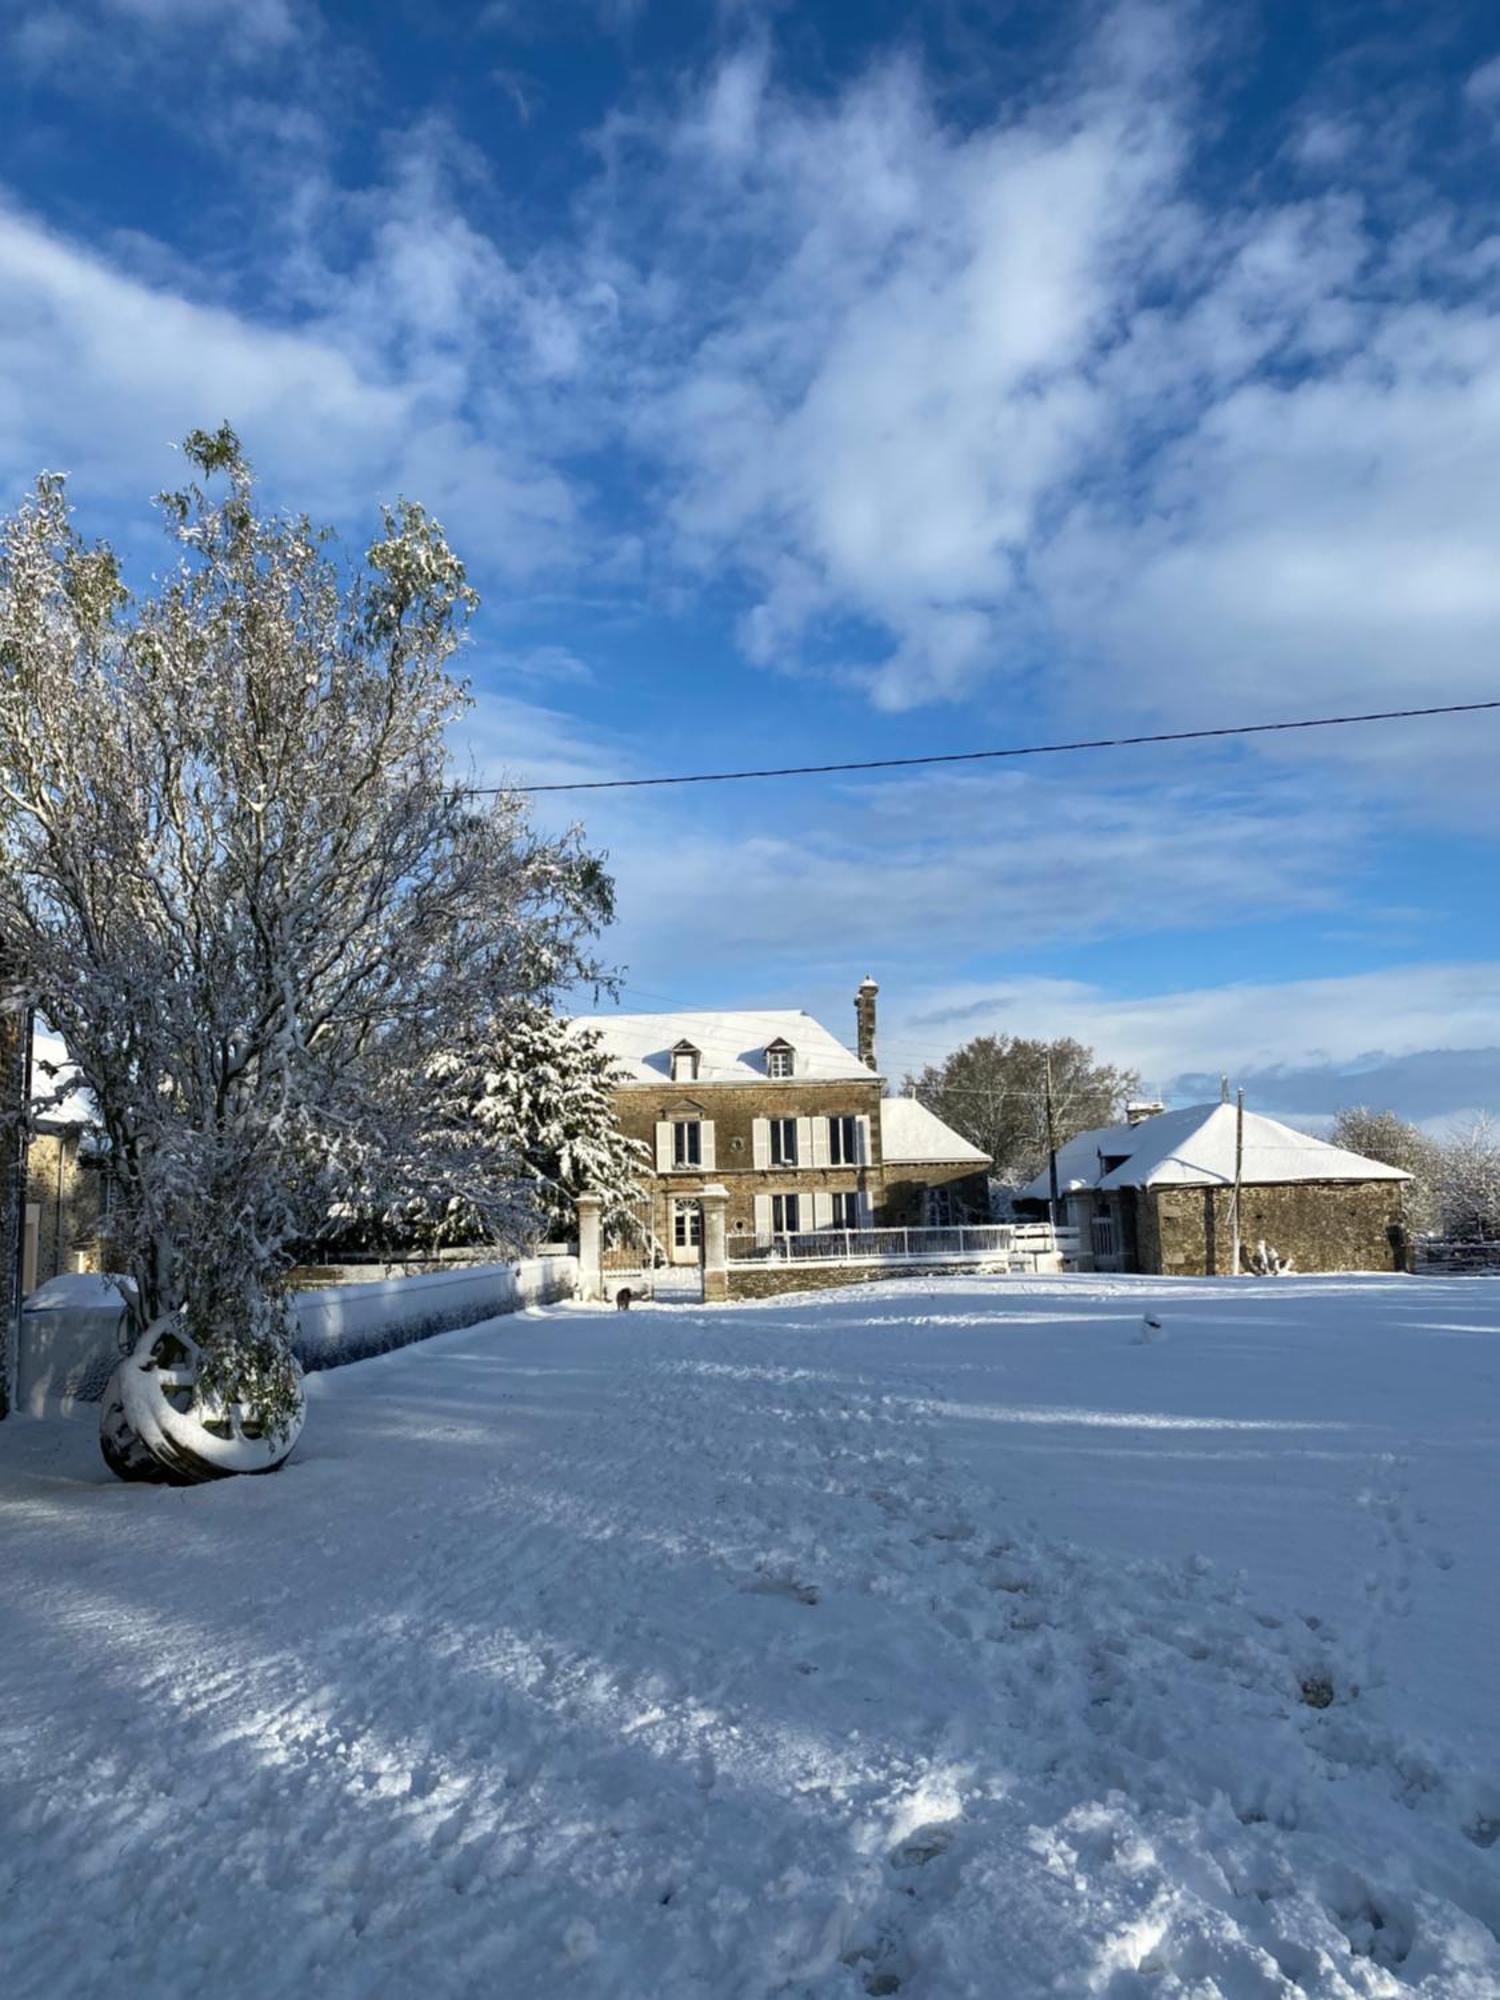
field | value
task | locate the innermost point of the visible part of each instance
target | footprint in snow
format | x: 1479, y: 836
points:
x: 782, y: 1583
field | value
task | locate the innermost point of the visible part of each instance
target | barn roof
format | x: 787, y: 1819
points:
x: 1194, y: 1147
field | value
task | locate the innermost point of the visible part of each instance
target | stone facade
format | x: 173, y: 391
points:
x: 1320, y: 1225
x: 66, y: 1199
x: 907, y: 1187
x: 732, y: 1110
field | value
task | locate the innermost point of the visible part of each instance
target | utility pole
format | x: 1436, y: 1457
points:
x: 1051, y: 1147
x: 1239, y: 1174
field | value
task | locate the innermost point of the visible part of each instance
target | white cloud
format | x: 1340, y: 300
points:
x: 787, y: 885
x: 997, y: 391
x: 388, y: 388
x: 1307, y: 1044
x: 1483, y: 85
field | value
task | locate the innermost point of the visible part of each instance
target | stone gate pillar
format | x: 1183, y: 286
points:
x: 715, y: 1201
x: 590, y: 1246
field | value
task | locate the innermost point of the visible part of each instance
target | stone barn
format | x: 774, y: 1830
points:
x: 1156, y: 1195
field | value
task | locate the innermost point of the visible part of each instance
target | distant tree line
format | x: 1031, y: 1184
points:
x: 1455, y: 1188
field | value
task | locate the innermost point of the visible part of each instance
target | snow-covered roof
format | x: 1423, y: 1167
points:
x: 52, y: 1070
x: 911, y: 1135
x: 732, y: 1046
x: 1194, y: 1147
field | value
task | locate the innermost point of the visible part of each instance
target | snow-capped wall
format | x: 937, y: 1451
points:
x: 339, y: 1323
x: 71, y: 1327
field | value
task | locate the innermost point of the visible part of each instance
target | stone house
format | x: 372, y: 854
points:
x: 772, y: 1107
x: 66, y: 1201
x: 1156, y: 1195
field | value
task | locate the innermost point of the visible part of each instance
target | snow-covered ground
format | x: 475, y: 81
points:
x: 934, y: 1639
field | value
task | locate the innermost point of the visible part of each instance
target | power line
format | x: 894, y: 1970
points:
x: 990, y: 756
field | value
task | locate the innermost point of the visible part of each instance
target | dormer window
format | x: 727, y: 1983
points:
x: 685, y: 1060
x: 781, y: 1060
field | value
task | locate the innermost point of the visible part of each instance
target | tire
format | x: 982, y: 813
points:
x: 154, y: 1412
x: 124, y: 1451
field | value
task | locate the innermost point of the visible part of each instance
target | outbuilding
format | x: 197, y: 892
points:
x: 1157, y: 1195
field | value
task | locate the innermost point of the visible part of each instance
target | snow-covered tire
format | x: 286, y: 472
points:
x: 163, y: 1416
x: 124, y: 1453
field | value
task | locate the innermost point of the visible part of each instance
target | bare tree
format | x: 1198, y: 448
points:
x: 1468, y: 1183
x: 993, y: 1091
x: 239, y: 877
x: 1396, y: 1142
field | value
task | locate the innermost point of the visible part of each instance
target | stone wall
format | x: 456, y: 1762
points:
x: 906, y: 1186
x: 772, y: 1280
x: 67, y: 1196
x: 1322, y: 1225
x: 12, y: 1089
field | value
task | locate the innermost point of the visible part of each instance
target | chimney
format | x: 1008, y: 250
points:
x: 1142, y: 1109
x: 864, y: 1014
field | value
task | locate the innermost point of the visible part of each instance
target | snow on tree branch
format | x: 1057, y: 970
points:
x: 238, y: 875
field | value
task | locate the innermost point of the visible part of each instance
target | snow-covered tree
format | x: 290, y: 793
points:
x: 238, y: 875
x: 544, y: 1090
x: 1396, y: 1142
x: 1468, y: 1183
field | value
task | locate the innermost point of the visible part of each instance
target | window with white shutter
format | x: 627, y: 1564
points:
x: 845, y: 1211
x: 663, y: 1145
x: 843, y: 1142
x: 762, y: 1215
x: 783, y: 1142
x: 706, y: 1145
x: 864, y: 1141
x: 823, y: 1211
x: 784, y: 1212
x: 687, y: 1142
x: 761, y: 1142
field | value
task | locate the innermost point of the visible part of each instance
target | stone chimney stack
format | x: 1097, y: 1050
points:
x: 864, y: 1014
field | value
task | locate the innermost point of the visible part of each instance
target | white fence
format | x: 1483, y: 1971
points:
x: 1017, y: 1245
x: 71, y: 1329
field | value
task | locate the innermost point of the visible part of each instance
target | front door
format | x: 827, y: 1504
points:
x: 687, y: 1232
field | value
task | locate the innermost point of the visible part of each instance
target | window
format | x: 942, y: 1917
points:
x: 846, y: 1211
x: 783, y: 1142
x: 687, y: 1225
x: 843, y: 1142
x: 938, y: 1204
x: 687, y: 1143
x: 684, y: 1063
x: 784, y: 1209
x: 780, y: 1059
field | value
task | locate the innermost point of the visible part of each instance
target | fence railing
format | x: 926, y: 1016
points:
x: 970, y: 1243
x: 1455, y: 1257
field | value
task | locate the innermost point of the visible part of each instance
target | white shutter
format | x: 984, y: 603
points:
x: 864, y: 1142
x: 866, y: 1213
x: 706, y: 1145
x: 663, y: 1145
x: 762, y: 1214
x: 761, y: 1143
x: 804, y: 1142
x: 822, y: 1211
x: 819, y: 1142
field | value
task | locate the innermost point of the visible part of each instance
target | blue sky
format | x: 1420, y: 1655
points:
x: 809, y: 382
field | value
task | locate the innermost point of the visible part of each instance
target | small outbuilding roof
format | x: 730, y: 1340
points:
x: 911, y: 1135
x: 731, y: 1046
x: 1195, y: 1147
